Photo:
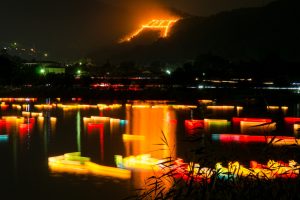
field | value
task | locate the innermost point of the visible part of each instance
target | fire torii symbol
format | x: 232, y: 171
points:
x: 162, y: 25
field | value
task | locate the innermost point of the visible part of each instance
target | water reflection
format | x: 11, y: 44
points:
x: 158, y: 126
x: 3, y: 138
x: 78, y: 130
x: 35, y: 133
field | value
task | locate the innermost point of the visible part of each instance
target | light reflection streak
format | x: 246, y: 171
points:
x: 3, y: 138
x: 105, y: 106
x: 91, y: 128
x: 78, y: 129
x: 284, y: 141
x: 99, y: 118
x: 53, y: 121
x: 239, y: 109
x: 154, y: 124
x: 141, y: 106
x: 220, y: 107
x: 194, y: 124
x: 128, y: 137
x: 296, y: 129
x: 237, y: 120
x: 9, y: 99
x: 75, y: 163
x: 40, y: 124
x: 240, y: 138
x: 101, y: 142
x: 205, y: 101
x: 5, y: 125
x: 115, y: 125
x: 183, y: 106
x: 216, y: 125
x: 292, y: 120
x: 151, y: 123
x: 224, y: 138
x: 70, y: 107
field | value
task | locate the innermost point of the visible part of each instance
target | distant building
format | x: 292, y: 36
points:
x: 47, y: 67
x: 54, y: 70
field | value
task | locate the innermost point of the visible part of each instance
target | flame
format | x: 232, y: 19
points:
x: 164, y: 25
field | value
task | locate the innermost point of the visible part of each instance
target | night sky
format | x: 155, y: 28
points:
x: 70, y: 28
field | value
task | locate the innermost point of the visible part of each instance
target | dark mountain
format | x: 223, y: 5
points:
x: 243, y: 34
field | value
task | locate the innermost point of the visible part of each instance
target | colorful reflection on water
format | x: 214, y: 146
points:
x: 135, y: 134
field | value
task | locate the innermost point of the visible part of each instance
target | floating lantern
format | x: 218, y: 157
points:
x: 273, y: 107
x: 183, y: 106
x: 15, y: 106
x: 188, y: 171
x: 223, y: 172
x: 224, y: 138
x: 75, y: 163
x: 249, y: 127
x: 32, y: 114
x: 220, y: 107
x: 143, y: 161
x: 193, y: 124
x: 3, y: 106
x: 216, y: 125
x: 282, y: 141
x: 205, y: 101
x: 238, y: 120
x: 248, y: 138
x: 277, y: 169
x: 292, y: 120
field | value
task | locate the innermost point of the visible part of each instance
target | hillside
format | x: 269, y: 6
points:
x: 243, y: 34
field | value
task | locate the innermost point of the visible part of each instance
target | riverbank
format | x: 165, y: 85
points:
x: 182, y: 95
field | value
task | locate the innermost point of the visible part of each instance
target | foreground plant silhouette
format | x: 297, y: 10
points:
x: 178, y: 180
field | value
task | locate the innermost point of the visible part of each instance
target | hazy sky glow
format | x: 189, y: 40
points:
x: 69, y: 28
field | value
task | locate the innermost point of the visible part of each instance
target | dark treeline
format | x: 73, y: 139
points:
x: 15, y: 73
x: 205, y: 67
x: 208, y: 66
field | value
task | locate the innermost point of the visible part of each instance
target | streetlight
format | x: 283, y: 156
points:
x: 42, y: 71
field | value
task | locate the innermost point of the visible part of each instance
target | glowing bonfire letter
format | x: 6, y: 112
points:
x: 163, y: 26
